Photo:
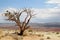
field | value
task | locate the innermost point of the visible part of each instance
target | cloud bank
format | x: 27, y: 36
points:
x: 43, y: 15
x: 47, y: 13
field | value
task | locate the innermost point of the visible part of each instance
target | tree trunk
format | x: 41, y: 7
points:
x: 21, y: 33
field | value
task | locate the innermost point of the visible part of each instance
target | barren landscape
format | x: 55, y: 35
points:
x: 6, y: 34
x: 9, y: 32
x: 29, y: 19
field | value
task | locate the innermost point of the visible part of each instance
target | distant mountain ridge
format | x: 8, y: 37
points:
x: 36, y: 25
x: 51, y: 24
x: 45, y: 24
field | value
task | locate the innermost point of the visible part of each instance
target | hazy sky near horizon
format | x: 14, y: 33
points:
x: 46, y: 10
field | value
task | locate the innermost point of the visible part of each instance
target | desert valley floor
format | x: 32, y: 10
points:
x: 6, y: 34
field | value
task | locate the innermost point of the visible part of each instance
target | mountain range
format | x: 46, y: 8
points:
x: 34, y: 25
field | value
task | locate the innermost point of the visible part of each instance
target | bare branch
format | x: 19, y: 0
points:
x: 16, y: 17
x: 27, y: 27
x: 27, y: 21
x: 24, y: 22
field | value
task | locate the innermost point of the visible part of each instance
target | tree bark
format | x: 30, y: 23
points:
x: 21, y: 33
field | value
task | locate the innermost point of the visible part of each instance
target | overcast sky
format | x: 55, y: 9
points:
x: 46, y: 10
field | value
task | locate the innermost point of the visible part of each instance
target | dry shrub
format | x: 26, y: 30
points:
x: 57, y: 32
x: 30, y: 31
x: 40, y: 35
x: 48, y: 38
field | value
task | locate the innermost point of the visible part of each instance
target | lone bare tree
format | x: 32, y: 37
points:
x: 16, y: 17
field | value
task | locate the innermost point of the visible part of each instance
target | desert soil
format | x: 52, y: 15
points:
x: 34, y: 35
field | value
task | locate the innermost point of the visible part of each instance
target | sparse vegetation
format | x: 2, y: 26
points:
x: 48, y: 38
x: 42, y: 35
x: 39, y: 35
x: 57, y: 32
x: 30, y: 31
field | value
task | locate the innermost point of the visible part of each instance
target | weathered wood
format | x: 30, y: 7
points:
x: 16, y: 17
